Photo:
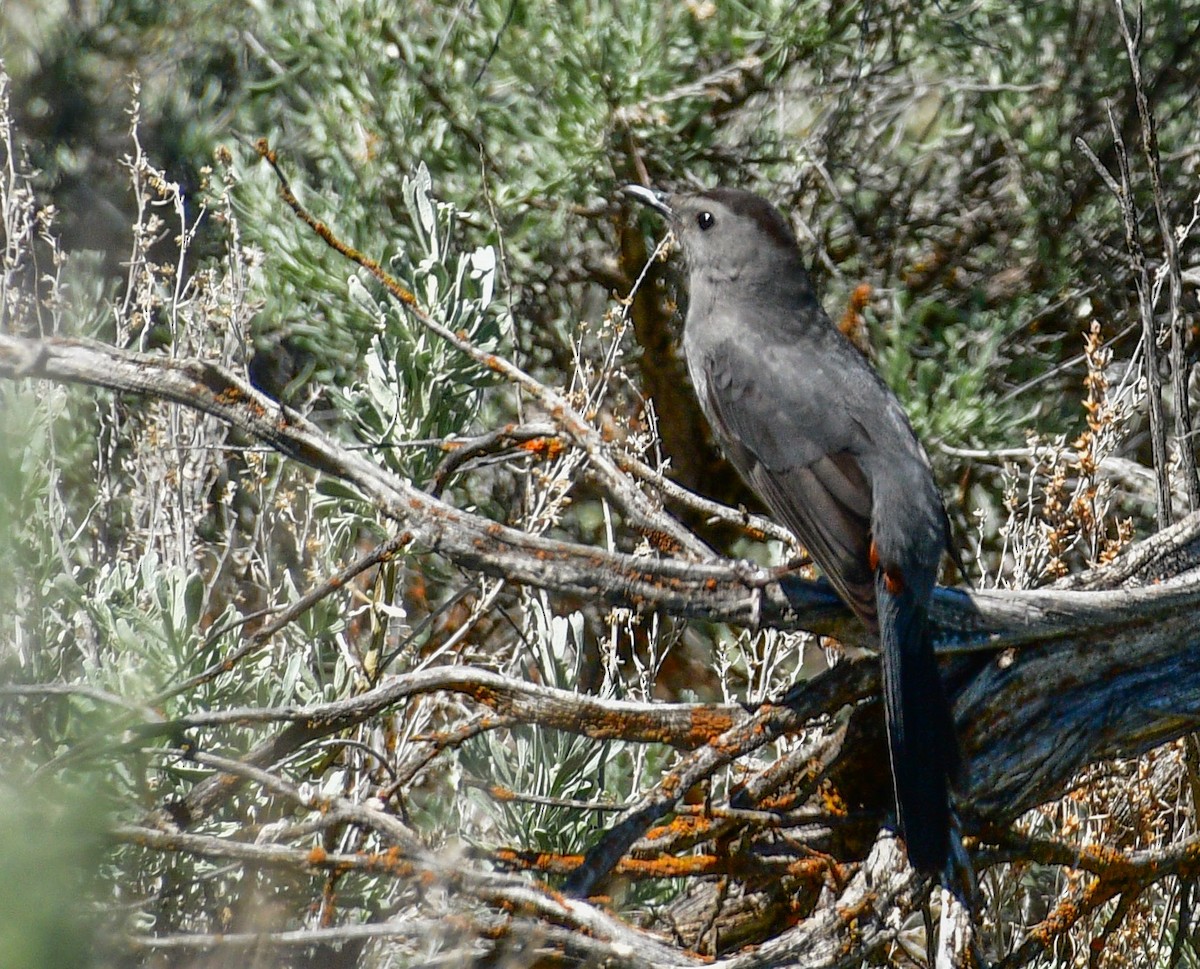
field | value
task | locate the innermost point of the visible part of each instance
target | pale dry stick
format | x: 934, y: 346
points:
x: 479, y: 609
x: 124, y: 312
x: 755, y: 525
x: 466, y: 450
x: 1178, y: 323
x: 1123, y: 192
x: 1079, y: 358
x: 683, y: 725
x: 609, y: 363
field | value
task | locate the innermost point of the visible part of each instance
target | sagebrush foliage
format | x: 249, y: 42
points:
x: 475, y: 151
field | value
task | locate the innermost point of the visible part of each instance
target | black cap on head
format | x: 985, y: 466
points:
x: 757, y: 209
x: 688, y: 211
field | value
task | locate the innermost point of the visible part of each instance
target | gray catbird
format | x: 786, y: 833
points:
x: 822, y: 440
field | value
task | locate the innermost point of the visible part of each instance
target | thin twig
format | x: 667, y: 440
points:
x: 1123, y: 191
x: 381, y: 553
x: 1178, y: 322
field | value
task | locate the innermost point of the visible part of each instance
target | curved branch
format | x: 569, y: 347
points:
x: 719, y: 591
x: 685, y: 725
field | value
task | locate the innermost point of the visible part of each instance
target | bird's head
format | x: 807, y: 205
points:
x: 727, y: 233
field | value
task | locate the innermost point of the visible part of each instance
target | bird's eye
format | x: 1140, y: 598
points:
x: 706, y: 221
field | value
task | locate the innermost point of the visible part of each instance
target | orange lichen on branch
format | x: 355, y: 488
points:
x: 482, y: 694
x: 706, y: 725
x: 391, y: 861
x: 1070, y: 910
x: 660, y: 541
x: 233, y: 396
x: 1111, y: 863
x: 850, y: 914
x: 328, y: 906
x: 545, y: 448
x: 832, y: 801
x: 669, y: 866
x: 449, y: 738
x: 547, y: 861
x: 778, y: 802
x: 317, y: 856
x: 850, y: 917
x: 683, y: 826
x: 326, y: 234
x: 818, y: 870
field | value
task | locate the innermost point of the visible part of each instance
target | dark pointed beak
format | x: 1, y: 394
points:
x: 647, y: 196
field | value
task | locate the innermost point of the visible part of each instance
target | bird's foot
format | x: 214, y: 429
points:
x: 752, y: 575
x: 756, y: 576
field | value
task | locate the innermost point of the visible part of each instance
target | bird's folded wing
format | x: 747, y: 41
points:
x: 798, y: 461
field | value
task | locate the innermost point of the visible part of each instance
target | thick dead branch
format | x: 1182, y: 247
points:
x: 715, y: 591
x: 868, y: 911
x: 685, y: 725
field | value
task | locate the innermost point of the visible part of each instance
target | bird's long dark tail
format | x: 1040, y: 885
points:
x: 920, y: 726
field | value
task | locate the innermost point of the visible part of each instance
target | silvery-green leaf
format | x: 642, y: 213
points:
x: 483, y: 268
x: 423, y: 188
x: 362, y: 299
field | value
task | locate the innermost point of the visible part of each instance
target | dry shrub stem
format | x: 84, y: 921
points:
x: 1178, y: 321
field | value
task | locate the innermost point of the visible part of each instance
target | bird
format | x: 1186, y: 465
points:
x: 819, y: 436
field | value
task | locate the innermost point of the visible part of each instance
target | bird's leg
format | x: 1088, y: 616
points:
x: 755, y: 576
x: 792, y: 565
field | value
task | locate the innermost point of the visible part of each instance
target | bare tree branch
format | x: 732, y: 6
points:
x: 1178, y: 322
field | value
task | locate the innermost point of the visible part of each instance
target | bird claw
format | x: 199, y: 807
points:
x: 752, y: 575
x: 755, y: 578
